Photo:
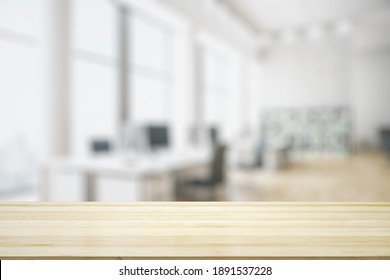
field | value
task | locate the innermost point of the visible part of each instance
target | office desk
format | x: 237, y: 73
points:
x: 194, y: 230
x: 163, y: 167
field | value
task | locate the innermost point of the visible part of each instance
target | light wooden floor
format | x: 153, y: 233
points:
x: 362, y: 177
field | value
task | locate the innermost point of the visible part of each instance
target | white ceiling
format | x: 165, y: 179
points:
x: 279, y: 14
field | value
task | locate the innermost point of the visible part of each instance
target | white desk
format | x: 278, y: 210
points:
x: 126, y: 178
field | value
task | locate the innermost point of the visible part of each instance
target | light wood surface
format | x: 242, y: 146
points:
x: 361, y: 177
x: 194, y: 230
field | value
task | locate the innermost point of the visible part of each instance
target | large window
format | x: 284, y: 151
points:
x: 219, y: 88
x: 21, y: 99
x: 96, y: 97
x: 214, y: 88
x: 160, y: 80
x: 94, y: 57
x: 151, y: 71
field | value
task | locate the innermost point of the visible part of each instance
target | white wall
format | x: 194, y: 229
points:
x: 307, y: 73
x: 350, y: 70
x: 371, y: 77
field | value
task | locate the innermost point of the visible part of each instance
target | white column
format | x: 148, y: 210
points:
x: 125, y: 121
x: 56, y: 52
x: 244, y: 96
x: 196, y: 69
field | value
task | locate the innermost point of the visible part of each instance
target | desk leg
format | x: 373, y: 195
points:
x: 90, y: 191
x: 171, y: 187
x: 156, y: 188
x: 44, y: 184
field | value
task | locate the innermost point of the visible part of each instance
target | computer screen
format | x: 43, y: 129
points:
x: 100, y: 146
x: 157, y: 137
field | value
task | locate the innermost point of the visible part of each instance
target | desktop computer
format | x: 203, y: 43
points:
x: 157, y: 137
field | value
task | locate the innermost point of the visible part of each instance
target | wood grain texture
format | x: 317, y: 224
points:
x: 194, y: 230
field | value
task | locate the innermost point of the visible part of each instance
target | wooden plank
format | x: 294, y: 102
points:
x: 222, y: 230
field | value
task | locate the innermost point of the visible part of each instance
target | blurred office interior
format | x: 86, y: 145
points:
x: 193, y: 100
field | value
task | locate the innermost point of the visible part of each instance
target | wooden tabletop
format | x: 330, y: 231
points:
x: 194, y: 230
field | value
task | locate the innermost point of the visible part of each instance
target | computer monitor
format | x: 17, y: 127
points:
x: 157, y: 137
x: 100, y: 146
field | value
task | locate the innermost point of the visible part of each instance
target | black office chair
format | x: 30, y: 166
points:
x: 385, y: 140
x: 203, y: 189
